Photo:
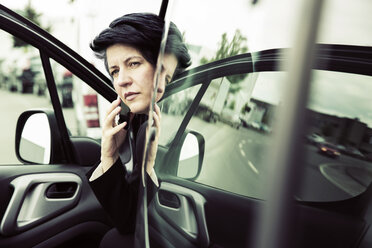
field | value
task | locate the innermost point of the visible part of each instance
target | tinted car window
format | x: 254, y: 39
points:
x: 233, y: 118
x: 338, y: 141
x: 238, y: 113
x: 237, y: 130
x: 174, y: 109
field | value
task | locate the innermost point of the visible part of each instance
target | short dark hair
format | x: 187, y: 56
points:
x: 142, y: 31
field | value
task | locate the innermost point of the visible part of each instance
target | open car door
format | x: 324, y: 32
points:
x: 45, y: 197
x: 220, y: 126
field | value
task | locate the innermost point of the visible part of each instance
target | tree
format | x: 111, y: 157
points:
x: 227, y: 49
x: 31, y: 14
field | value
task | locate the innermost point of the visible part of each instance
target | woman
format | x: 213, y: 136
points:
x: 129, y: 48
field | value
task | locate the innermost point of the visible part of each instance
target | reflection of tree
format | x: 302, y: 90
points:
x: 227, y: 49
x: 29, y: 13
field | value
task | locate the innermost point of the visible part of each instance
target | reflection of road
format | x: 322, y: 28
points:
x: 233, y: 158
x: 330, y: 179
x: 234, y: 161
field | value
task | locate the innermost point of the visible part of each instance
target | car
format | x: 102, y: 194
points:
x: 219, y: 187
x: 328, y: 149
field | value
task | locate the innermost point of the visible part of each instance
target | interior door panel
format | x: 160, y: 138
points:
x: 38, y: 197
x: 183, y: 210
x: 221, y: 219
x: 231, y: 220
x: 49, y: 206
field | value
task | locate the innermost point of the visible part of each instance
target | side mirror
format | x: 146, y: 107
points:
x: 191, y: 155
x: 37, y: 137
x: 34, y: 144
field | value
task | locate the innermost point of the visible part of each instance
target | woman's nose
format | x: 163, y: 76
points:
x: 124, y: 79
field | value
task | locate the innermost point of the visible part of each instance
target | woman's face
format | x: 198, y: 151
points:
x: 133, y: 76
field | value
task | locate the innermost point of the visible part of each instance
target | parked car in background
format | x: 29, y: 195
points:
x: 328, y: 149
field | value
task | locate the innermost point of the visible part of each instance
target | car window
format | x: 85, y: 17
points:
x: 174, y: 109
x: 208, y: 36
x: 22, y: 87
x: 83, y: 108
x: 238, y: 113
x: 236, y: 123
x: 338, y: 142
x: 238, y: 127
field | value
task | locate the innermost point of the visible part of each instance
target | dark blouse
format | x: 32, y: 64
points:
x: 118, y: 192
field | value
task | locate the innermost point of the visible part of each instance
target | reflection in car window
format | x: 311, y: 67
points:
x: 210, y: 37
x: 22, y: 87
x: 173, y: 110
x: 238, y: 124
x: 338, y: 143
x: 237, y: 127
x: 234, y: 125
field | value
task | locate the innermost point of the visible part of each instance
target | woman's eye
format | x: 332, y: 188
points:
x: 114, y: 72
x: 134, y: 64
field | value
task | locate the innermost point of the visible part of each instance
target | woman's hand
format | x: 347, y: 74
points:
x: 154, y: 144
x: 113, y: 136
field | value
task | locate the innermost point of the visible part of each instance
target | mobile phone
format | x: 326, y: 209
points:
x: 124, y: 114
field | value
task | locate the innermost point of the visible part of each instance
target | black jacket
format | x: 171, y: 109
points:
x: 118, y: 193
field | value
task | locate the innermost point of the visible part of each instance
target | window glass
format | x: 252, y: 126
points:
x: 174, y: 109
x: 83, y: 108
x: 210, y: 37
x: 236, y: 122
x: 338, y: 142
x: 236, y: 113
x: 354, y: 19
x: 239, y: 131
x: 22, y: 87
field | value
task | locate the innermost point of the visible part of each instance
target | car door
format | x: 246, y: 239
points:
x: 45, y: 197
x: 217, y: 139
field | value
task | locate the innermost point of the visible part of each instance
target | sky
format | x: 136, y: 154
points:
x: 268, y: 24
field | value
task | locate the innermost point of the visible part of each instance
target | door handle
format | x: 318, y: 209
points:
x: 30, y: 204
x: 184, y: 209
x: 61, y: 190
x: 169, y: 199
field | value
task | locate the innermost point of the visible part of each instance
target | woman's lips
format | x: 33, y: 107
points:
x: 130, y: 96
